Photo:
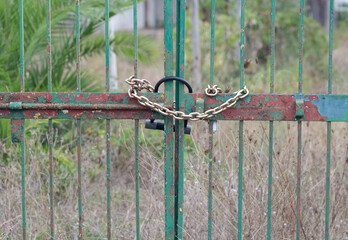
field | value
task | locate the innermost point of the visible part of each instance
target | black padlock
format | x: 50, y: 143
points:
x: 152, y: 124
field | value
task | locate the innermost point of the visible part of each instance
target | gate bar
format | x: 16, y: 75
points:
x: 79, y: 140
x: 50, y: 124
x: 241, y: 125
x: 179, y: 129
x: 136, y: 122
x: 108, y: 124
x: 169, y: 168
x: 270, y: 144
x: 328, y: 147
x: 299, y: 147
x: 21, y: 42
x: 211, y: 137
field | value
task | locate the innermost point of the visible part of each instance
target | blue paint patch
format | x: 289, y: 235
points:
x: 334, y: 108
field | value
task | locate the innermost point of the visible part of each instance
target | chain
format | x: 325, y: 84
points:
x: 136, y: 85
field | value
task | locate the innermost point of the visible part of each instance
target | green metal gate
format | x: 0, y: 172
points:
x: 19, y: 106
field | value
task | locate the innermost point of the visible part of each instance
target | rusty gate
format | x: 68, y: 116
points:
x: 212, y: 106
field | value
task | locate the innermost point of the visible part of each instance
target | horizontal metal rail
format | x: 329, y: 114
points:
x: 262, y: 107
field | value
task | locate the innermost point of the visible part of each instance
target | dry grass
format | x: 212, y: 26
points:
x: 225, y: 192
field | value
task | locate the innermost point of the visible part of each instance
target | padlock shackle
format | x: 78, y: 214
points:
x: 171, y: 78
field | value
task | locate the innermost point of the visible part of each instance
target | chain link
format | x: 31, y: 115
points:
x: 136, y: 85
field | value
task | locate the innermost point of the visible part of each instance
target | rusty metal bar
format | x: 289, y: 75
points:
x: 241, y: 124
x: 179, y: 129
x: 22, y: 76
x: 78, y: 124
x: 79, y: 106
x: 210, y: 123
x: 169, y: 188
x: 108, y: 124
x: 260, y: 107
x: 136, y: 126
x: 328, y: 146
x: 270, y: 143
x: 299, y: 149
x: 50, y: 123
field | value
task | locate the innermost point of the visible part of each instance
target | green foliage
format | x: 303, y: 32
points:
x: 258, y: 31
x: 63, y: 43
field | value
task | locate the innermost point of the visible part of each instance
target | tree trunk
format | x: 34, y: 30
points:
x: 196, y: 69
x: 319, y: 11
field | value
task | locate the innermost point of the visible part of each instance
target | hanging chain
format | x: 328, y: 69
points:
x: 136, y: 85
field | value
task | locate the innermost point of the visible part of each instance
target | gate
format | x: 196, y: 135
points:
x: 78, y: 106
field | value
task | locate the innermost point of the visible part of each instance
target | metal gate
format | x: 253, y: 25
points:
x: 78, y: 106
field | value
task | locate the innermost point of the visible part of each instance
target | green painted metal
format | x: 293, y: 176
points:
x: 179, y: 125
x: 260, y: 107
x: 299, y: 106
x: 271, y: 125
x: 50, y: 123
x: 270, y: 174
x: 79, y: 174
x: 21, y: 42
x: 328, y: 147
x: 211, y: 134
x: 241, y: 124
x: 50, y: 149
x: 108, y: 124
x: 78, y: 122
x: 298, y: 188
x: 299, y: 148
x: 77, y: 33
x: 23, y: 184
x: 210, y: 179
x: 136, y: 126
x: 169, y: 168
x: 136, y: 156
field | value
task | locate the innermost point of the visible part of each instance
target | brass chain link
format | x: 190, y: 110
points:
x: 136, y: 85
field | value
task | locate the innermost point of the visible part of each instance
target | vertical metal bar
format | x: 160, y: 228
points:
x: 136, y: 127
x: 78, y: 84
x: 23, y: 183
x: 50, y: 124
x: 169, y: 188
x: 21, y: 42
x: 299, y: 147
x: 270, y: 144
x: 79, y: 193
x: 211, y: 137
x: 108, y: 124
x: 108, y: 177
x: 137, y: 178
x: 298, y: 190
x: 328, y: 147
x: 49, y: 47
x: 210, y: 190
x: 179, y: 125
x: 77, y: 31
x: 241, y: 125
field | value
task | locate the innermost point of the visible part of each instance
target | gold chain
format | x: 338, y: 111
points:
x: 136, y: 85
